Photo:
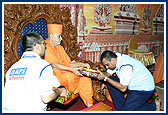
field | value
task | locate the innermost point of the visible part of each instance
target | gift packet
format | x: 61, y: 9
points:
x: 89, y: 72
x: 64, y: 100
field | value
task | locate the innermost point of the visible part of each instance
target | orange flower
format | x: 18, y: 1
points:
x: 155, y: 94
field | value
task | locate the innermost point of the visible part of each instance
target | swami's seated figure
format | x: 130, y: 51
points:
x: 64, y: 69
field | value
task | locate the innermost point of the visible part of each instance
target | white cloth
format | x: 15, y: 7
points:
x: 143, y: 48
x: 26, y: 81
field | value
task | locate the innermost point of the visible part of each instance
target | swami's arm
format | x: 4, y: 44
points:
x: 67, y: 68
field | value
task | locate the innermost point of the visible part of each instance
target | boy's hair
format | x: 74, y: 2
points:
x: 29, y: 40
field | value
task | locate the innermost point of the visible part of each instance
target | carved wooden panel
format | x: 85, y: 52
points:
x: 16, y: 16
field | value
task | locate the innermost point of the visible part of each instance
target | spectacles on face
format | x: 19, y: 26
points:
x: 59, y: 36
x: 45, y: 44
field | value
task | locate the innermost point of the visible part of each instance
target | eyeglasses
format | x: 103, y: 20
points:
x: 45, y: 44
x: 60, y: 35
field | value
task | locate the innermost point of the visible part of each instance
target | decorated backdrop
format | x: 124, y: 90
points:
x: 110, y: 26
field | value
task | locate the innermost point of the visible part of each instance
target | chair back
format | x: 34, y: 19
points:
x: 22, y: 18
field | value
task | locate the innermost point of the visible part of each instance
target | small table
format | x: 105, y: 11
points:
x: 147, y: 58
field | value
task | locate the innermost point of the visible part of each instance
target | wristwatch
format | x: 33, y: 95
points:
x: 105, y: 78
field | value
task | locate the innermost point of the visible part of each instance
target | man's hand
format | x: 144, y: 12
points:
x: 101, y: 76
x: 64, y: 92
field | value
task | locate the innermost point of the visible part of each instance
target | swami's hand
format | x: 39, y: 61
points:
x: 85, y: 65
x: 80, y: 64
x: 76, y: 71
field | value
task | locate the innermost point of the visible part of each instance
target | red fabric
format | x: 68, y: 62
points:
x: 92, y: 106
x: 76, y: 105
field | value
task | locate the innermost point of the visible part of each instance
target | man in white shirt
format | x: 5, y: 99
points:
x: 29, y: 82
x: 132, y: 78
